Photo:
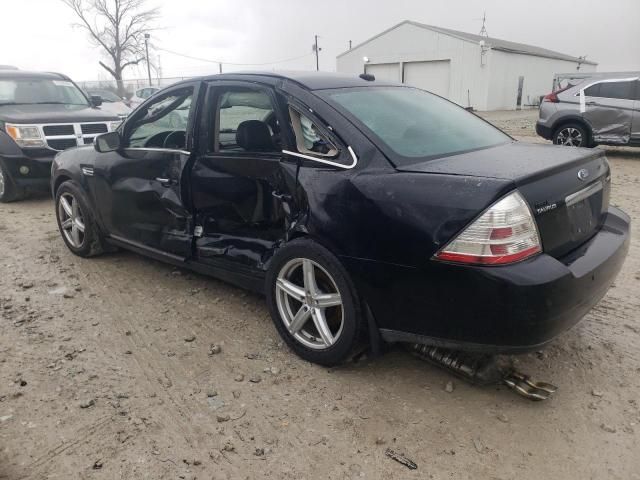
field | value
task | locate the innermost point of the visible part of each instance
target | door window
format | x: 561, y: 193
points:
x: 619, y: 90
x: 309, y: 137
x: 245, y: 121
x: 615, y: 90
x: 162, y: 123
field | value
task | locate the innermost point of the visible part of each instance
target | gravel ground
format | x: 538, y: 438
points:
x: 123, y: 367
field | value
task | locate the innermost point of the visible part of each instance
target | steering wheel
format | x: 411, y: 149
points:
x: 175, y: 140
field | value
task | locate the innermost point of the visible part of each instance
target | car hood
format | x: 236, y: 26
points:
x: 47, y: 113
x: 511, y: 161
x: 119, y: 108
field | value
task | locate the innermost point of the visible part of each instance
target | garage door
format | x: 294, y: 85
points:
x: 388, y: 72
x: 431, y: 76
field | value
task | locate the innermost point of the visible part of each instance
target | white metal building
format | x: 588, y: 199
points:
x: 471, y: 70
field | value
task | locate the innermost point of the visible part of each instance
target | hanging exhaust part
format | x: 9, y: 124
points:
x: 481, y: 369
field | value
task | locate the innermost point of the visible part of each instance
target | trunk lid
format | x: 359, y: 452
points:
x: 567, y: 188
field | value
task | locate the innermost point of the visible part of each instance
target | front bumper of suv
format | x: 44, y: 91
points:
x: 30, y: 173
x: 500, y: 309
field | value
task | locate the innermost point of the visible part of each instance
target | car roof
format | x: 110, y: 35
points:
x: 307, y: 79
x: 10, y: 74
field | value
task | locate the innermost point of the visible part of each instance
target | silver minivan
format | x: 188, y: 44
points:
x: 600, y: 110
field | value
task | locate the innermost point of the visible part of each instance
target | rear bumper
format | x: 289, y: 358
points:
x: 543, y: 130
x: 38, y: 175
x: 494, y: 309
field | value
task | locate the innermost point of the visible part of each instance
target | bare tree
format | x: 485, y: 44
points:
x: 119, y: 27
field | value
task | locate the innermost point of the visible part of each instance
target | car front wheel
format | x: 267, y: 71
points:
x: 76, y: 221
x: 313, y: 304
x: 8, y: 190
x: 571, y: 135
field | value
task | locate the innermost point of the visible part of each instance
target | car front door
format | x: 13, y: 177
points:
x: 242, y: 187
x: 140, y: 190
x: 608, y: 107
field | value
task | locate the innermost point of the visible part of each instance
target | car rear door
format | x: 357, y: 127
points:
x: 140, y: 191
x: 608, y: 106
x: 635, y: 122
x: 242, y: 187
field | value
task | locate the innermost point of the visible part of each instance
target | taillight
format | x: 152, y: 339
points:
x: 553, y: 96
x: 505, y: 233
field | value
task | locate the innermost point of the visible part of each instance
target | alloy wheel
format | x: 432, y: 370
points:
x: 71, y: 220
x: 309, y: 303
x: 571, y: 137
x: 2, y: 182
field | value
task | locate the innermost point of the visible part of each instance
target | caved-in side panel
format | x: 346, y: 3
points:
x: 244, y: 205
x: 136, y: 204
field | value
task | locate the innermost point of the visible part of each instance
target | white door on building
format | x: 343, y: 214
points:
x: 388, y: 72
x: 432, y: 76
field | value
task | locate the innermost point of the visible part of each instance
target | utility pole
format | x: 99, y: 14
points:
x: 220, y: 67
x: 146, y: 46
x: 349, y: 44
x: 483, y: 30
x: 315, y: 48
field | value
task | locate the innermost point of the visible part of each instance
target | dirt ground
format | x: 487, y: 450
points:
x: 107, y: 372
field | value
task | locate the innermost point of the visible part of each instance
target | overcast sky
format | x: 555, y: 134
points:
x: 37, y: 34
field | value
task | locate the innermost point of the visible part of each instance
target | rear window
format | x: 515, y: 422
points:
x: 414, y: 124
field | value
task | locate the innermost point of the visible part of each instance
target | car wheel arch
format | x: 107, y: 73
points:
x: 575, y: 120
x: 60, y: 179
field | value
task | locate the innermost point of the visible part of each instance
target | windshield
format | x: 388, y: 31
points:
x: 26, y: 91
x: 106, y: 95
x: 414, y: 124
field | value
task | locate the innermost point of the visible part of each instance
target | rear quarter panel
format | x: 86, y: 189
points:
x: 388, y: 216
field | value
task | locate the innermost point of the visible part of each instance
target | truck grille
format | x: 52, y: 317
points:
x: 94, y: 128
x: 53, y: 130
x: 61, y: 143
x: 62, y: 136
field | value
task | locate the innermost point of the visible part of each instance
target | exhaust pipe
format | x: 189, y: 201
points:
x: 484, y: 370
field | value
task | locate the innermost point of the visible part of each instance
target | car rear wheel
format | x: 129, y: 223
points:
x: 571, y: 135
x: 313, y: 304
x: 76, y: 221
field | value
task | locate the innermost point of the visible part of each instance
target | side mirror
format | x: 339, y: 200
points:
x: 96, y: 100
x: 107, y: 142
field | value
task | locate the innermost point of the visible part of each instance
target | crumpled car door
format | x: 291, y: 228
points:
x: 608, y: 107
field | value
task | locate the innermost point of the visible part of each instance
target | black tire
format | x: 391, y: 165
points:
x: 92, y: 241
x: 352, y: 332
x: 8, y: 192
x: 562, y: 134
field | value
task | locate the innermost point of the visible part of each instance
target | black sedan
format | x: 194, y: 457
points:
x: 364, y: 211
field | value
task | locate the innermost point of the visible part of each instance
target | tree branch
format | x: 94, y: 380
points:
x: 118, y: 26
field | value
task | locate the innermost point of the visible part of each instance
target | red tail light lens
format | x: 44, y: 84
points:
x: 553, y: 96
x: 503, y: 234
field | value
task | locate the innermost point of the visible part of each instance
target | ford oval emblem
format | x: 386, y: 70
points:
x: 583, y: 174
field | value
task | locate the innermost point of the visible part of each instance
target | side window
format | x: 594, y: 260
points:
x: 619, y: 90
x: 309, y: 138
x: 245, y: 121
x: 593, y: 90
x: 163, y: 123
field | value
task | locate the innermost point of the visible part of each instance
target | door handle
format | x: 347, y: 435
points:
x: 281, y: 196
x: 591, y: 103
x: 165, y: 182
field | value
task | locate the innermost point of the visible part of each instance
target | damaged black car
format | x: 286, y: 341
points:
x: 364, y: 211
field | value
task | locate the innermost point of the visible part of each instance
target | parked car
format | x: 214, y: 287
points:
x: 141, y: 95
x: 111, y: 102
x: 600, y: 110
x: 42, y: 114
x: 362, y: 210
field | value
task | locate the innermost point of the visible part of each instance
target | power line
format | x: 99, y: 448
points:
x: 232, y: 63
